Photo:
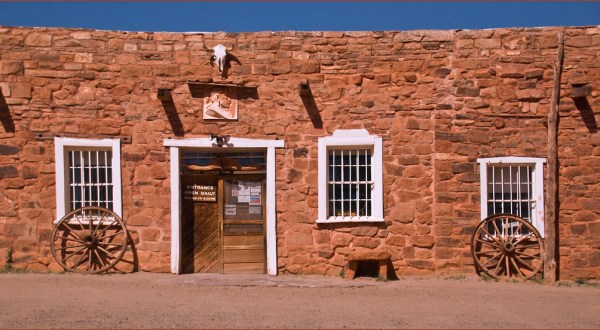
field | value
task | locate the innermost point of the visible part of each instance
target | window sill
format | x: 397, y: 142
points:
x: 348, y: 220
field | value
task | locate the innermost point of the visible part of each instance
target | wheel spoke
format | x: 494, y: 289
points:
x: 494, y: 238
x: 80, y: 261
x: 498, y: 232
x: 498, y: 265
x: 70, y: 247
x: 107, y: 226
x: 522, y: 238
x: 79, y: 220
x: 507, y: 265
x: 107, y: 252
x: 514, y: 263
x: 491, y: 259
x: 110, y: 243
x: 517, y: 231
x: 70, y: 230
x: 72, y: 240
x: 74, y: 253
x: 535, y: 256
x: 524, y: 263
x: 90, y: 260
x: 492, y: 243
x: 99, y: 259
x: 100, y: 222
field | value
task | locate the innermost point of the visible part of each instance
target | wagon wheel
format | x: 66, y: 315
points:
x: 507, y: 245
x: 89, y: 240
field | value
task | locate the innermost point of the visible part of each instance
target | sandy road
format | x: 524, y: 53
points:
x: 143, y: 300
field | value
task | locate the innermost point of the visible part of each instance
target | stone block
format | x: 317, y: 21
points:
x: 36, y: 39
x: 20, y: 90
x: 423, y: 241
x: 8, y: 171
x: 298, y: 238
x: 340, y: 239
x: 530, y: 95
x: 421, y: 264
x: 11, y: 67
x: 364, y: 231
x: 366, y: 242
x: 441, y: 72
x: 8, y: 150
x: 140, y: 220
x: 396, y: 240
x: 150, y: 234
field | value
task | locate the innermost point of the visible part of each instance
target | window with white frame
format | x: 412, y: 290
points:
x: 513, y: 185
x: 350, y: 177
x: 88, y: 173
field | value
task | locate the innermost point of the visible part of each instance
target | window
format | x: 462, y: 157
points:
x: 350, y: 177
x: 88, y: 173
x: 513, y: 185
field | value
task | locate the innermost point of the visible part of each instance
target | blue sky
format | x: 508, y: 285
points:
x: 237, y: 16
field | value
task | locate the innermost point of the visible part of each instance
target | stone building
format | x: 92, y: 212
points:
x: 314, y: 144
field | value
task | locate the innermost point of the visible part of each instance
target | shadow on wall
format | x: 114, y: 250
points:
x: 227, y: 66
x: 311, y: 107
x: 166, y: 99
x: 129, y: 262
x: 5, y: 117
x: 587, y: 114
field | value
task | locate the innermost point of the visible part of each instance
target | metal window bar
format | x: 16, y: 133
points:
x: 509, y: 198
x: 349, y: 183
x: 90, y: 178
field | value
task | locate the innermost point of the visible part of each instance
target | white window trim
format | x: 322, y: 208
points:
x: 61, y: 167
x: 538, y: 184
x: 233, y: 143
x: 353, y: 138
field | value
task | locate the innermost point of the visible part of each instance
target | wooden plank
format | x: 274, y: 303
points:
x: 552, y: 174
x: 232, y: 256
x: 243, y: 240
x: 206, y: 238
x: 244, y: 268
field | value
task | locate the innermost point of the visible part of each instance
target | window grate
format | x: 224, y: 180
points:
x: 90, y: 178
x: 510, y: 190
x: 349, y: 183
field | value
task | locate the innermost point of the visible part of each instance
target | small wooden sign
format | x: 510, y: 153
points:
x: 200, y: 193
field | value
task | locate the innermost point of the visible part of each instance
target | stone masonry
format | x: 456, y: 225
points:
x: 439, y: 99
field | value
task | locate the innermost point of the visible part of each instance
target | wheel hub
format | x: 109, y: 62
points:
x: 508, y: 247
x: 90, y: 241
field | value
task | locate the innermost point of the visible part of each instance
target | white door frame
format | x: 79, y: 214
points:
x: 232, y: 143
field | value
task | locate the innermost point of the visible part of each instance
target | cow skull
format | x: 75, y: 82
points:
x: 219, y: 56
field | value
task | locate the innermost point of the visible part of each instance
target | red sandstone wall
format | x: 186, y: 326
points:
x: 431, y: 95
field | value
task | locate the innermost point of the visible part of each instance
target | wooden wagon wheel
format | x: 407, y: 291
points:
x: 507, y: 245
x: 89, y: 240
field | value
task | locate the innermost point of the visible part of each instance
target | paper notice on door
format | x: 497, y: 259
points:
x: 244, y: 199
x: 243, y: 189
x: 255, y: 190
x: 230, y: 210
x: 255, y: 200
x: 255, y: 210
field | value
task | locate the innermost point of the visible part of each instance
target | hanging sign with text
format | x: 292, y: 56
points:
x: 200, y: 193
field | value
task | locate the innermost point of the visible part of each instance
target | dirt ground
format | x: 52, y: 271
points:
x: 144, y: 300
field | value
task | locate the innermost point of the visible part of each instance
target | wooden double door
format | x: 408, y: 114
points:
x: 223, y: 223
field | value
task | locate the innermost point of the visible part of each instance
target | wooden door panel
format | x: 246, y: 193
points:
x: 244, y: 268
x: 243, y: 241
x: 238, y: 255
x: 206, y: 238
